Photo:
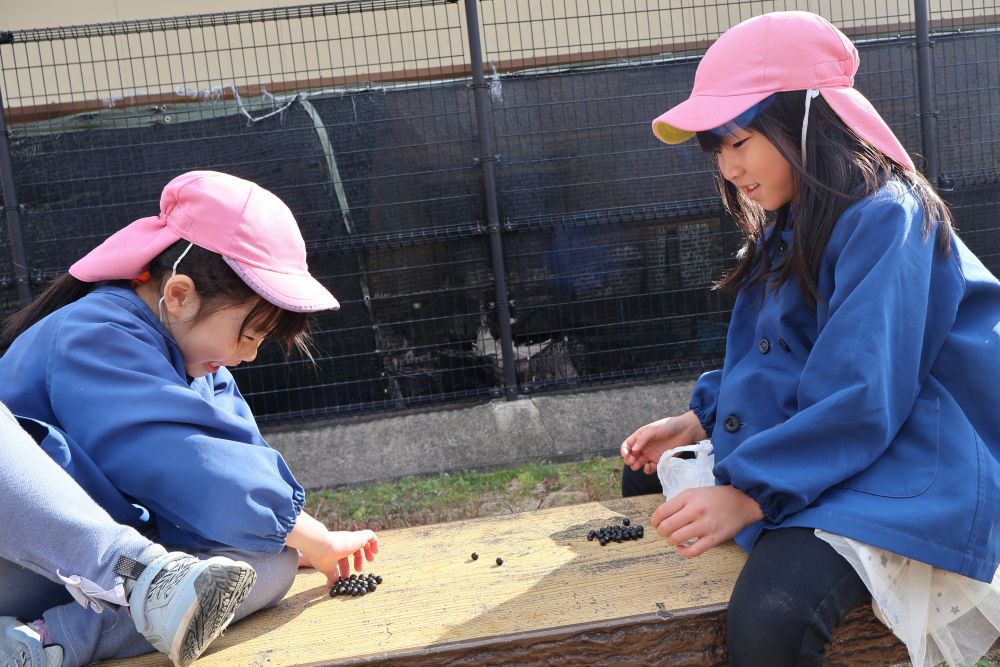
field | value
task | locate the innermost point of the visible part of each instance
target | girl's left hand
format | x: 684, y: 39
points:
x: 710, y: 514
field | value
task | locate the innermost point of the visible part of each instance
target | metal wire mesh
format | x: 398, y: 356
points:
x: 360, y: 115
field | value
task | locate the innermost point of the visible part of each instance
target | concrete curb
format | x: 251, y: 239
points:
x: 560, y: 426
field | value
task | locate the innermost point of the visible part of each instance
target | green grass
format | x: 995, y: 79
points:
x: 413, y: 501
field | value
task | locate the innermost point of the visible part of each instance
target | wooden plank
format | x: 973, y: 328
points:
x: 435, y: 598
x: 558, y: 599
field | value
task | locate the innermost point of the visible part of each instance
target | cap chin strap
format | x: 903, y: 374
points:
x: 810, y: 94
x: 173, y: 272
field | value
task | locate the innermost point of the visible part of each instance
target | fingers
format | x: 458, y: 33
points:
x: 629, y: 455
x: 684, y: 536
x: 679, y: 524
x: 666, y: 509
x: 345, y: 567
x: 626, y: 449
x: 696, y: 548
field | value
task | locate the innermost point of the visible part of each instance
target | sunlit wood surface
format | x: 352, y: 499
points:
x: 558, y: 599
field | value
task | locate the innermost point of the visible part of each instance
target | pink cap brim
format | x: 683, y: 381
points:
x: 701, y: 112
x: 292, y: 291
x: 859, y: 115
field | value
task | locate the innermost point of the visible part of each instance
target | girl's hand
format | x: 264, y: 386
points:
x: 711, y: 515
x: 643, y: 448
x: 328, y: 551
x: 333, y: 557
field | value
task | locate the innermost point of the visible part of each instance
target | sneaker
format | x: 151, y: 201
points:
x: 20, y: 646
x: 181, y: 604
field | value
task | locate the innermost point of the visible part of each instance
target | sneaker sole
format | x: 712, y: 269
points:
x: 221, y: 589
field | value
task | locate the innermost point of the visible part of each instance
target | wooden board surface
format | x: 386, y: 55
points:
x: 435, y: 597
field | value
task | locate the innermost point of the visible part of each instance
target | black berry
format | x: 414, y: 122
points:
x: 475, y: 556
x: 626, y: 521
x: 378, y: 579
x: 499, y: 561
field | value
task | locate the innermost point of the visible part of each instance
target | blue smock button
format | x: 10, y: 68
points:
x: 783, y: 345
x: 782, y: 247
x: 732, y: 423
x: 764, y: 346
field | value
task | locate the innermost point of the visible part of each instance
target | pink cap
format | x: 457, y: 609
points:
x: 776, y: 52
x: 250, y: 227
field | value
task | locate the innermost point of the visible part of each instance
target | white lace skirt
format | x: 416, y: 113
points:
x: 940, y: 616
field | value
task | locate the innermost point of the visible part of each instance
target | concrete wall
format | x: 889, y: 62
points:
x: 563, y: 426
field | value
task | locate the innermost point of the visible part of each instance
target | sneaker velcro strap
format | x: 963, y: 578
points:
x: 129, y: 567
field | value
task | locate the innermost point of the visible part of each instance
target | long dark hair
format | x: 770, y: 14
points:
x: 842, y: 168
x: 217, y: 285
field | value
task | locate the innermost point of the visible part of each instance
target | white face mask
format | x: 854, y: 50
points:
x: 173, y: 272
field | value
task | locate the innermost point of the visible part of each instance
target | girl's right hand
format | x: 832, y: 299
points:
x: 333, y: 556
x: 643, y: 448
x: 329, y: 551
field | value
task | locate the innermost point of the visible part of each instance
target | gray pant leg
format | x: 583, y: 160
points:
x: 49, y: 522
x: 87, y: 637
x: 25, y: 594
x: 275, y: 575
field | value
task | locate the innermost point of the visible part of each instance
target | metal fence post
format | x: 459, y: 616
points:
x: 487, y: 161
x: 925, y: 81
x: 13, y: 213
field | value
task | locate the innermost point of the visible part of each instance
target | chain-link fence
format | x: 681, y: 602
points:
x: 477, y: 183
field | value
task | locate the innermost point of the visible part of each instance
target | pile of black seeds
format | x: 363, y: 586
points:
x: 616, y: 533
x: 356, y: 586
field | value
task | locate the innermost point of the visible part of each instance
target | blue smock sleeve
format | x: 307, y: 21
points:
x: 705, y: 398
x: 888, y: 298
x: 191, y: 454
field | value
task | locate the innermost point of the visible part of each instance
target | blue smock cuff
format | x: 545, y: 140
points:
x: 287, y: 523
x: 705, y: 416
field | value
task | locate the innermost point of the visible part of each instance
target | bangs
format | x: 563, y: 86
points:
x: 289, y: 328
x: 712, y: 140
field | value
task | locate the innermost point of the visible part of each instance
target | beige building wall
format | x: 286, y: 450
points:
x: 23, y: 14
x: 375, y: 47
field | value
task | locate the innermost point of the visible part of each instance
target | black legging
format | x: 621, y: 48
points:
x: 639, y: 483
x: 793, y: 591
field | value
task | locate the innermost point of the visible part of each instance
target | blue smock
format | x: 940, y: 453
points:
x: 876, y: 415
x: 107, y: 381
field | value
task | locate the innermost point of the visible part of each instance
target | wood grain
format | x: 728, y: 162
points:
x: 558, y: 599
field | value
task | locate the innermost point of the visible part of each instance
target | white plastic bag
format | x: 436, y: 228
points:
x: 677, y: 474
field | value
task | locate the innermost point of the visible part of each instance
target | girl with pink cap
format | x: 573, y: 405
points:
x: 855, y: 433
x: 124, y: 360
